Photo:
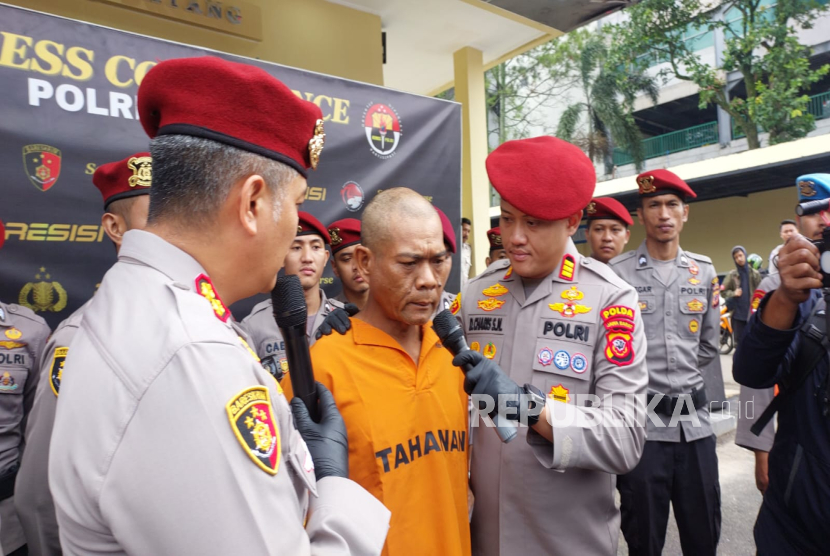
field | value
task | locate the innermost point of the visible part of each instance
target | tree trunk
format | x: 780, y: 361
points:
x: 752, y: 140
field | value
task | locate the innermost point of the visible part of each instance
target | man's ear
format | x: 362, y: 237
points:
x: 627, y: 235
x: 573, y: 222
x: 685, y: 212
x: 640, y: 216
x: 115, y: 227
x: 251, y: 202
x: 364, y: 259
x: 487, y: 261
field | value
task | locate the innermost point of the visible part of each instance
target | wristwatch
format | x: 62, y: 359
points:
x: 536, y: 402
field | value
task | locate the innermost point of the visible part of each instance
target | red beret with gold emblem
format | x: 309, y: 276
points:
x: 660, y: 182
x: 607, y: 208
x: 494, y: 237
x: 449, y: 233
x: 2, y: 233
x: 125, y: 178
x: 236, y: 104
x: 344, y: 233
x: 309, y: 225
x: 544, y: 177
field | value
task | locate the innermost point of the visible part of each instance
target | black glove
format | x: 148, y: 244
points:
x: 486, y: 378
x: 327, y: 441
x: 337, y: 320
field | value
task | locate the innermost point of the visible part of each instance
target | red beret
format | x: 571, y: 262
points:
x: 235, y: 104
x: 125, y: 178
x: 660, y: 182
x: 2, y: 233
x: 446, y: 225
x: 544, y: 177
x: 344, y: 233
x: 494, y: 236
x: 608, y: 208
x: 309, y: 225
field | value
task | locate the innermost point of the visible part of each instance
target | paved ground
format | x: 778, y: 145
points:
x: 740, y: 499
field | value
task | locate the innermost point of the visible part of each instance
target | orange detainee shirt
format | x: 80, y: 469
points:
x: 407, y: 428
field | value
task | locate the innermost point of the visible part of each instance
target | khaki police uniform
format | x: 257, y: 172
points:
x: 682, y: 324
x: 578, y: 334
x: 33, y: 500
x: 267, y: 339
x: 22, y: 338
x: 170, y: 437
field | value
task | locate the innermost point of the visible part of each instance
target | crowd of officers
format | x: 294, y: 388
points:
x: 174, y: 433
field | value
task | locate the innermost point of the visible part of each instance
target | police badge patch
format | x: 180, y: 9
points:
x: 253, y: 423
x: 56, y: 368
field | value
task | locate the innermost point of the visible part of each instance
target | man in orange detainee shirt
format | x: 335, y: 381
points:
x: 402, y: 400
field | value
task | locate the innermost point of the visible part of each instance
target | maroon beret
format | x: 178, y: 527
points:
x: 2, y: 233
x: 344, y: 233
x: 660, y: 182
x: 446, y: 225
x: 125, y: 178
x: 544, y: 177
x: 309, y: 225
x: 603, y: 208
x: 231, y: 103
x: 494, y: 237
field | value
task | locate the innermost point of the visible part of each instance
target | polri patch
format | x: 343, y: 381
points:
x: 253, y: 423
x: 56, y: 368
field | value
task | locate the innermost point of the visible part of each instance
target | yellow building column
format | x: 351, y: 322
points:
x: 475, y: 186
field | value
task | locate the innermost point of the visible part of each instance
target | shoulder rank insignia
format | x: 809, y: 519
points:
x: 456, y: 304
x: 496, y: 290
x: 56, y: 368
x: 693, y: 268
x: 509, y: 273
x: 566, y: 271
x: 695, y: 306
x: 619, y: 330
x: 253, y: 423
x: 489, y: 304
x: 756, y: 300
x: 204, y: 287
x: 642, y: 260
x: 559, y: 393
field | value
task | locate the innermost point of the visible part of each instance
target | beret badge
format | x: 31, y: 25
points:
x: 806, y: 188
x: 142, y: 171
x: 335, y: 236
x: 495, y: 239
x: 646, y: 184
x: 315, y: 144
x: 592, y: 208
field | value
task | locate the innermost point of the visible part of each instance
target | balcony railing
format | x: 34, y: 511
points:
x: 676, y: 141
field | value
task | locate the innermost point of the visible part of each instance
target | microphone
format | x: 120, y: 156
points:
x: 291, y: 313
x: 452, y: 337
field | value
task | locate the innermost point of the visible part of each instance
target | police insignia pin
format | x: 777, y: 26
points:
x: 56, y: 368
x: 335, y: 236
x: 695, y: 306
x: 559, y: 393
x: 508, y: 274
x: 142, y: 171
x: 316, y: 143
x: 642, y: 260
x: 253, y: 423
x: 495, y: 290
x: 489, y: 350
x: 475, y: 346
x: 489, y: 304
x: 694, y: 326
x: 806, y: 188
x: 13, y: 333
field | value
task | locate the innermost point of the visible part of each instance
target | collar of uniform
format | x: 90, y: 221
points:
x: 682, y: 259
x: 368, y: 335
x: 165, y: 257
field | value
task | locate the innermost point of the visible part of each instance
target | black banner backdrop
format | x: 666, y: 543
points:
x: 68, y: 105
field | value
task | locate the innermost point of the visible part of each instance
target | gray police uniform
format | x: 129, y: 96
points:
x: 753, y: 402
x: 267, y: 338
x: 22, y: 338
x: 33, y: 500
x: 682, y: 324
x: 578, y: 333
x: 341, y: 298
x: 170, y: 437
x: 445, y: 302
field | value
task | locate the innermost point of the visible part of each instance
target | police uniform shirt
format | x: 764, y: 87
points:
x: 170, y: 437
x: 682, y: 323
x: 33, y: 500
x: 578, y: 333
x: 267, y: 339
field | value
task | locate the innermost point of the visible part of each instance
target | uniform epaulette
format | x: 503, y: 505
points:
x: 697, y: 257
x: 494, y: 267
x: 334, y: 303
x: 26, y: 313
x: 603, y: 271
x: 264, y: 305
x: 622, y: 257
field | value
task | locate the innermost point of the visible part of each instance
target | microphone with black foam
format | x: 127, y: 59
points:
x: 449, y: 331
x: 291, y: 314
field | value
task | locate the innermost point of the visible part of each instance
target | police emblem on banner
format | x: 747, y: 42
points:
x: 42, y: 164
x: 56, y: 368
x: 253, y: 423
x: 383, y: 129
x: 43, y: 296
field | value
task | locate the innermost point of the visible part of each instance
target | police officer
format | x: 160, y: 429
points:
x: 170, y: 437
x: 447, y: 298
x: 497, y: 251
x: 23, y: 335
x: 345, y: 237
x: 785, y: 344
x: 569, y: 330
x: 125, y: 187
x: 608, y: 233
x: 679, y: 301
x: 307, y: 258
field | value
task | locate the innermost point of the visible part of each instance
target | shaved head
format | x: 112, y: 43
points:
x: 388, y: 209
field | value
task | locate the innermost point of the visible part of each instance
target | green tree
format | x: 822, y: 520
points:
x: 760, y: 42
x: 602, y: 118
